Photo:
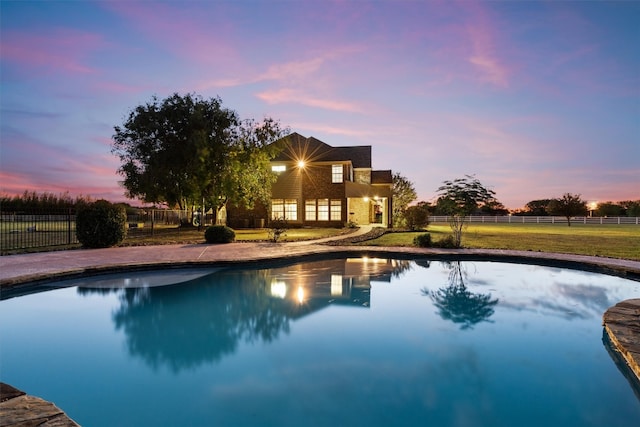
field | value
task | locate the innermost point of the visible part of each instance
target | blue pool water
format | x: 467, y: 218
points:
x: 360, y: 342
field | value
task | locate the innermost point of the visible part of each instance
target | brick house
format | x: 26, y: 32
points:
x: 323, y: 186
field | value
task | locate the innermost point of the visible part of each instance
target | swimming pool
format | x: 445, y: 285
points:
x: 349, y: 341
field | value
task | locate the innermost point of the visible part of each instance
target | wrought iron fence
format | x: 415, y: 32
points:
x: 36, y: 229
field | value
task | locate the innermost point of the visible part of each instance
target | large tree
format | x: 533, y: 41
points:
x: 403, y: 194
x: 537, y: 207
x: 568, y: 206
x: 608, y: 209
x: 632, y: 207
x: 460, y: 198
x: 187, y: 151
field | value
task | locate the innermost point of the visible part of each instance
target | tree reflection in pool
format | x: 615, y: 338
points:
x: 355, y: 341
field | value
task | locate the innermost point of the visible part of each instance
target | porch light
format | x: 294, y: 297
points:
x: 366, y: 199
x: 301, y: 164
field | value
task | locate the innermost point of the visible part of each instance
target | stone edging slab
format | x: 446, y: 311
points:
x: 622, y: 324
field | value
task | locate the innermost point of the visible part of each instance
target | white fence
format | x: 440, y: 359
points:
x: 513, y: 219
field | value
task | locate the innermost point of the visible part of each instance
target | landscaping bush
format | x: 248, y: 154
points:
x: 445, y: 243
x: 219, y: 234
x: 101, y: 224
x: 277, y: 229
x: 417, y: 217
x: 422, y: 240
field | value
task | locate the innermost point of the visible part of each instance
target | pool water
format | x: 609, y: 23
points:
x: 358, y: 341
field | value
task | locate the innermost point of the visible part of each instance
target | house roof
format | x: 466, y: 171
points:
x: 296, y: 147
x: 381, y: 177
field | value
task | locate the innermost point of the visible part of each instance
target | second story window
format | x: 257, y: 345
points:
x: 278, y: 168
x: 336, y: 174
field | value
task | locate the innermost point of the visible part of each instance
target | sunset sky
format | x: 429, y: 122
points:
x: 534, y: 98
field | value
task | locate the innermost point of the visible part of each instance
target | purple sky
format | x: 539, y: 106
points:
x: 535, y: 98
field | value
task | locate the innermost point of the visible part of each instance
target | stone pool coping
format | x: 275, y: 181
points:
x: 21, y: 410
x: 24, y: 273
x: 22, y: 269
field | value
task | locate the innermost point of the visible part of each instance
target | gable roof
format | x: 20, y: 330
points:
x: 296, y: 147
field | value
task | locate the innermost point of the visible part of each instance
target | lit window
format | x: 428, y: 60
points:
x: 310, y: 210
x: 277, y: 209
x: 291, y: 209
x: 336, y: 210
x: 336, y: 173
x: 278, y: 168
x: 284, y: 209
x: 323, y: 209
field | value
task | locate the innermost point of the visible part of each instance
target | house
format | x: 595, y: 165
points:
x: 323, y: 186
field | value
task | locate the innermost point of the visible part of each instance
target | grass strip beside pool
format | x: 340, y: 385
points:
x: 615, y: 241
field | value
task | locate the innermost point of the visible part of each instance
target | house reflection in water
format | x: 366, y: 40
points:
x: 309, y: 287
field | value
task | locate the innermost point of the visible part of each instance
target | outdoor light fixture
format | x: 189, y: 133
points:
x: 301, y: 164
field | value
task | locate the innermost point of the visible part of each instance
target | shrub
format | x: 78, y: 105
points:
x: 277, y: 229
x: 219, y: 234
x: 446, y: 243
x: 101, y: 224
x: 417, y: 217
x: 422, y: 240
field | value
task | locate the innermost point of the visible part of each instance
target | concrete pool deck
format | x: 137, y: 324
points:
x: 19, y: 273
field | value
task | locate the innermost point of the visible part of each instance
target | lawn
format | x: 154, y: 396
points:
x: 615, y: 241
x: 192, y: 235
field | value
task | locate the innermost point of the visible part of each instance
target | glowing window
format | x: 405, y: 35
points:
x: 278, y: 168
x: 310, y: 210
x: 323, y: 209
x: 277, y: 209
x: 284, y: 208
x: 336, y: 173
x: 291, y: 209
x: 336, y: 210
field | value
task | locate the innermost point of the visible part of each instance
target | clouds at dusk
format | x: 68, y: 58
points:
x: 534, y: 98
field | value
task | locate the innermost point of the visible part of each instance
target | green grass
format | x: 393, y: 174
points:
x: 615, y: 241
x: 192, y: 235
x: 292, y: 235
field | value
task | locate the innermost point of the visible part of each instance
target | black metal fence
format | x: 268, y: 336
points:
x: 37, y: 229
x: 43, y: 228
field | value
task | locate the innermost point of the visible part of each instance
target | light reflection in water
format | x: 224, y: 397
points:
x: 403, y: 342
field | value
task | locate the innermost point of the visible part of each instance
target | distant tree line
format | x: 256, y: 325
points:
x: 30, y: 200
x: 547, y: 207
x: 45, y: 201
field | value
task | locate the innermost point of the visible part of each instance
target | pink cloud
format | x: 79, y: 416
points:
x: 295, y: 70
x: 28, y: 165
x: 291, y: 96
x: 484, y: 57
x: 333, y: 130
x: 62, y: 49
